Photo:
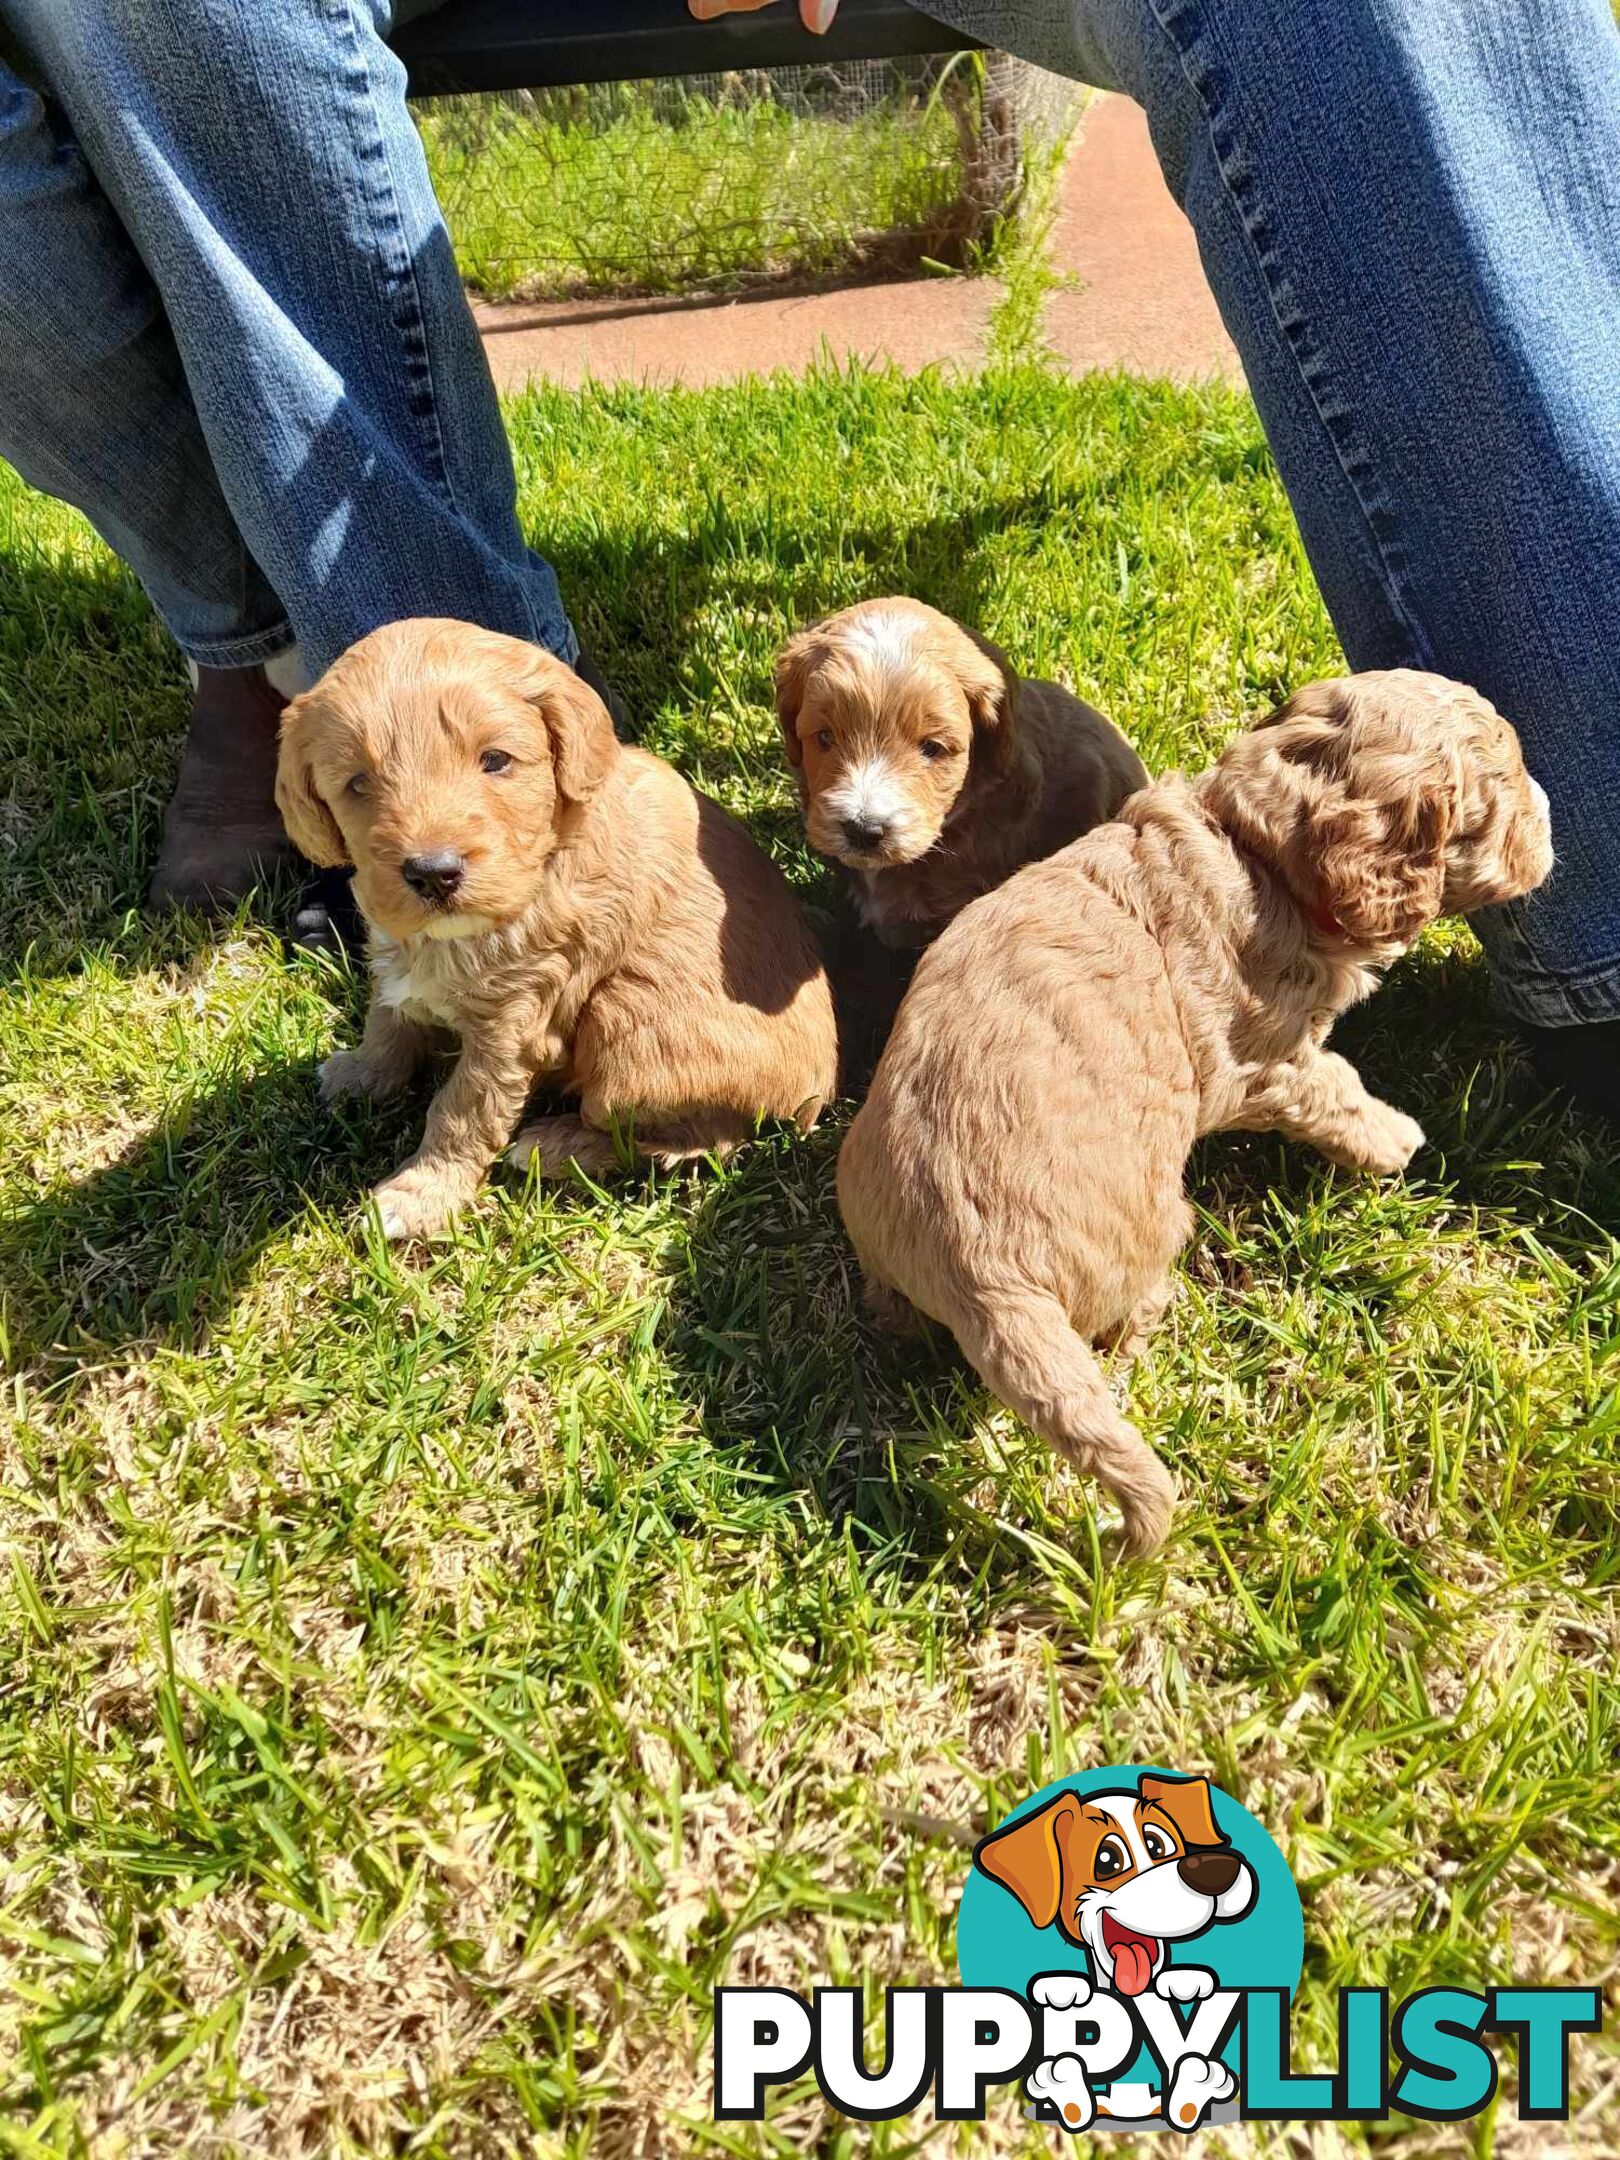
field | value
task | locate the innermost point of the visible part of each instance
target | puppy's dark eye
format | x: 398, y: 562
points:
x: 1112, y: 1859
x: 359, y: 785
x: 493, y: 761
x: 824, y: 738
x: 932, y: 748
x: 1158, y: 1845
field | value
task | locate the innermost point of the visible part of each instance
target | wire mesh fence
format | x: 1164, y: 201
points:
x: 719, y: 181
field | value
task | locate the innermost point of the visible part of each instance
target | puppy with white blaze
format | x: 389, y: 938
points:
x: 930, y: 768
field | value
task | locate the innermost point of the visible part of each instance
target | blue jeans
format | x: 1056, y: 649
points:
x: 1409, y: 212
x: 232, y: 333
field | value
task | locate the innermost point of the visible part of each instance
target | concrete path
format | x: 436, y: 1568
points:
x: 1141, y: 303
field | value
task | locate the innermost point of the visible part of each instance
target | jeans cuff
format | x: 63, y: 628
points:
x: 1544, y: 1001
x: 239, y: 652
x: 1534, y: 995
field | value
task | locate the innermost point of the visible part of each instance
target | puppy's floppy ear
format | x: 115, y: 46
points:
x: 580, y: 730
x: 1380, y: 867
x: 795, y: 664
x: 991, y: 688
x: 311, y: 827
x: 1352, y: 816
x: 1271, y: 785
x: 1186, y: 1802
x: 1026, y: 1858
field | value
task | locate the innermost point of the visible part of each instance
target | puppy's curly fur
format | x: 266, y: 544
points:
x: 929, y: 769
x: 1016, y: 1171
x: 571, y: 909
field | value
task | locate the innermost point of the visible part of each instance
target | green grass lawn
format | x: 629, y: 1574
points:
x: 423, y: 1677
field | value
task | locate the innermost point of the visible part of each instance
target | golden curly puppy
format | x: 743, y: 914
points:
x: 1016, y: 1172
x: 929, y: 769
x: 569, y: 907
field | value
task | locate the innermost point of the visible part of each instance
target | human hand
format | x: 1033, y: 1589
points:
x: 816, y: 15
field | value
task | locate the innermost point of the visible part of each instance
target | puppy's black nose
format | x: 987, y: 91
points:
x: 864, y: 833
x: 434, y: 875
x: 1209, y: 1873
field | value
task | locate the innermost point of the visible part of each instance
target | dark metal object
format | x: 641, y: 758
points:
x: 547, y: 44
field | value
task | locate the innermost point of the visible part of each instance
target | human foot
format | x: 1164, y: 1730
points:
x: 222, y: 832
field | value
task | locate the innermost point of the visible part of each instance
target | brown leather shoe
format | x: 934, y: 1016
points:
x: 222, y: 832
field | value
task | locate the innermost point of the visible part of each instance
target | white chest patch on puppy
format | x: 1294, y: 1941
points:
x: 419, y: 988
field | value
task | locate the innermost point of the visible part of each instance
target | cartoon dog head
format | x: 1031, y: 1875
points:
x: 1123, y: 1874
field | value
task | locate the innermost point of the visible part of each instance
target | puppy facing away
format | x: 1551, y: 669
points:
x: 929, y: 769
x: 570, y: 908
x: 1016, y: 1171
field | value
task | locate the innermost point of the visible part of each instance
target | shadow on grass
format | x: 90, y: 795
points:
x: 767, y: 1340
x: 644, y: 640
x: 153, y: 1242
x: 764, y: 1337
x: 154, y: 1245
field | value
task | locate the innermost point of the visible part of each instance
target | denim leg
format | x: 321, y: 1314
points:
x: 261, y: 155
x: 1409, y: 211
x: 93, y: 401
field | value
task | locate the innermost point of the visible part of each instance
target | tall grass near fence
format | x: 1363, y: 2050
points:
x: 725, y: 181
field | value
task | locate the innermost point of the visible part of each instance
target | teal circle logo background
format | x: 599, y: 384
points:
x: 998, y: 1945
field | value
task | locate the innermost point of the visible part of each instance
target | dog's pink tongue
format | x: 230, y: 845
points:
x: 1133, y: 1967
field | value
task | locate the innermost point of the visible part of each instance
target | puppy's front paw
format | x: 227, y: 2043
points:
x: 343, y: 1073
x: 1060, y: 2082
x: 1184, y: 1984
x: 1199, y: 2084
x: 347, y: 1073
x: 1061, y: 1991
x: 889, y: 1308
x: 1147, y: 1499
x: 1382, y: 1140
x: 416, y: 1203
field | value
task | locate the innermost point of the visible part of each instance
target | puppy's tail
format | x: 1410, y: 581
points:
x: 1027, y: 1352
